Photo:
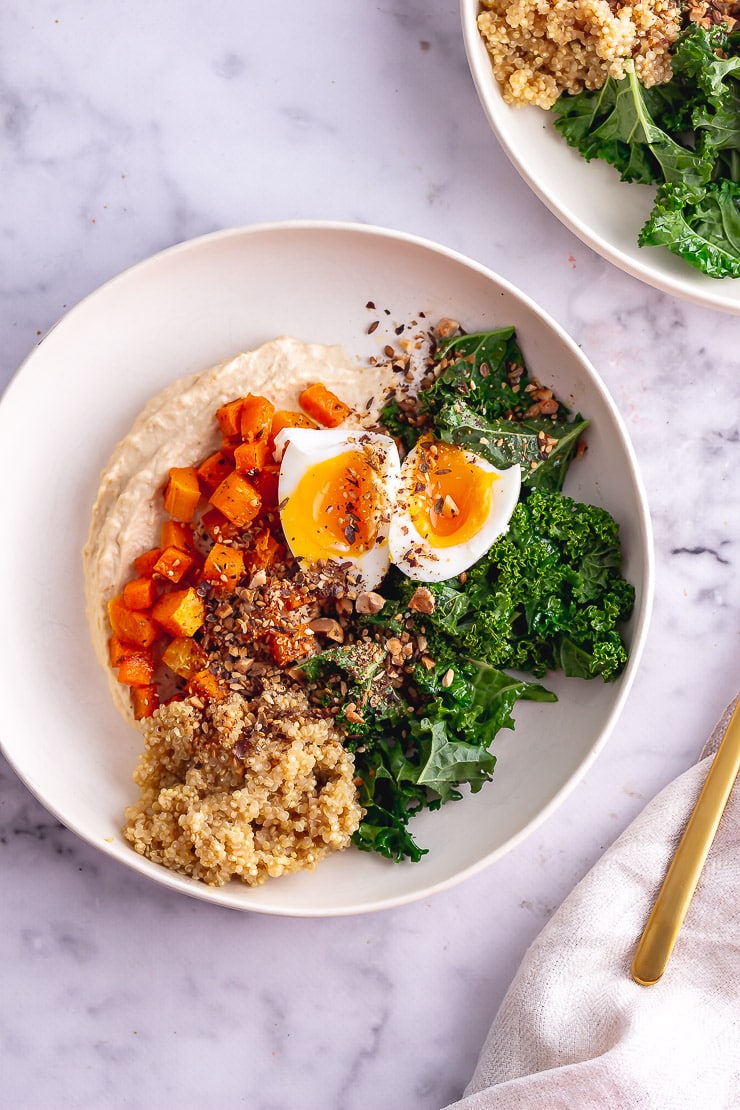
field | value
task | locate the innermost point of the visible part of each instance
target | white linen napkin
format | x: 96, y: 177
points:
x: 575, y: 1032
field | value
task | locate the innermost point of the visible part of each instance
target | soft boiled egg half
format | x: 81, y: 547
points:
x: 336, y: 491
x: 344, y: 496
x: 451, y: 507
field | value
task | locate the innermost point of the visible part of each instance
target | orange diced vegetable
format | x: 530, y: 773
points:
x: 136, y: 668
x: 134, y: 627
x: 255, y: 419
x: 263, y: 552
x: 140, y: 593
x: 223, y: 568
x: 206, y: 685
x: 265, y: 481
x: 184, y: 656
x: 118, y: 650
x: 213, y: 470
x: 144, y: 700
x: 145, y: 563
x: 177, y: 534
x: 228, y: 416
x: 217, y: 526
x: 323, y: 405
x: 251, y: 456
x: 284, y: 419
x: 181, y: 613
x: 229, y: 445
x: 286, y: 647
x: 237, y: 499
x: 173, y: 564
x: 182, y: 493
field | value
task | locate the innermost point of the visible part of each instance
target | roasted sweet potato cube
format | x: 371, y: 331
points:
x: 285, y: 419
x: 184, y: 656
x: 228, y: 417
x: 286, y: 647
x: 145, y: 563
x: 223, y: 568
x: 255, y: 418
x: 181, y: 612
x: 182, y: 493
x: 133, y: 627
x: 323, y: 405
x: 173, y: 564
x: 136, y: 668
x: 266, y: 481
x: 237, y: 499
x: 206, y: 685
x: 118, y: 649
x: 263, y: 552
x: 229, y: 445
x: 144, y: 700
x: 140, y: 593
x: 177, y: 534
x: 213, y: 470
x: 218, y: 527
x: 250, y: 457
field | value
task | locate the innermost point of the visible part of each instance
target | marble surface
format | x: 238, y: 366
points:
x: 127, y: 127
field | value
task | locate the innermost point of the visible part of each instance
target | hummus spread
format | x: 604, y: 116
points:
x: 256, y: 785
x: 177, y: 428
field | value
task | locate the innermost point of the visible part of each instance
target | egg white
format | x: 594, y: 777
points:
x: 416, y: 557
x: 300, y: 449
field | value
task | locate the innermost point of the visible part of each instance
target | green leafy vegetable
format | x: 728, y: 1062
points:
x: 549, y: 595
x: 703, y: 226
x: 615, y: 124
x: 410, y: 757
x: 543, y: 449
x: 485, y: 368
x: 483, y: 399
x: 684, y: 136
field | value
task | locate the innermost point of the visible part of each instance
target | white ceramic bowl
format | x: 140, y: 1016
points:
x: 587, y: 197
x: 78, y: 393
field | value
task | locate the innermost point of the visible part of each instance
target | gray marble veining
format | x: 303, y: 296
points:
x: 126, y: 128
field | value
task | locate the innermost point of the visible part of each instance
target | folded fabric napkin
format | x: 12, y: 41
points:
x: 574, y: 1030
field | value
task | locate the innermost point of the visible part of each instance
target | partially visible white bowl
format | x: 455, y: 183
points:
x: 78, y: 393
x: 588, y: 197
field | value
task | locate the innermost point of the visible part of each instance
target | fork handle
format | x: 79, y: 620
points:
x: 666, y: 917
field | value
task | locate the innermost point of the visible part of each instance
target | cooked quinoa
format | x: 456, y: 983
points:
x: 245, y: 788
x: 541, y: 48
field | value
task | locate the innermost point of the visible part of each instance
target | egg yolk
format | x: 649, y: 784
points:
x: 450, y: 497
x: 334, y: 509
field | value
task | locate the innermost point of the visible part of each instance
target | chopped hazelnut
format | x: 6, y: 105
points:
x: 422, y: 600
x: 369, y: 603
x: 329, y: 628
x: 446, y: 327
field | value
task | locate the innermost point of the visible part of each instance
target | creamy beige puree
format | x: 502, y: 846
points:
x: 178, y: 428
x: 253, y: 785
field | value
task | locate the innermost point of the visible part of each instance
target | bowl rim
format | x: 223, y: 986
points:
x: 198, y: 890
x: 678, y: 286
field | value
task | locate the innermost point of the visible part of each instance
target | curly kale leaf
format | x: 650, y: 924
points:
x: 486, y: 369
x: 701, y: 226
x: 616, y: 124
x: 542, y: 447
x: 703, y: 60
x: 395, y: 421
x: 549, y: 594
x: 410, y: 757
x: 685, y: 136
x: 360, y: 667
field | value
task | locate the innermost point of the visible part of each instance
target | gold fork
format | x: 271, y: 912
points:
x: 667, y: 915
